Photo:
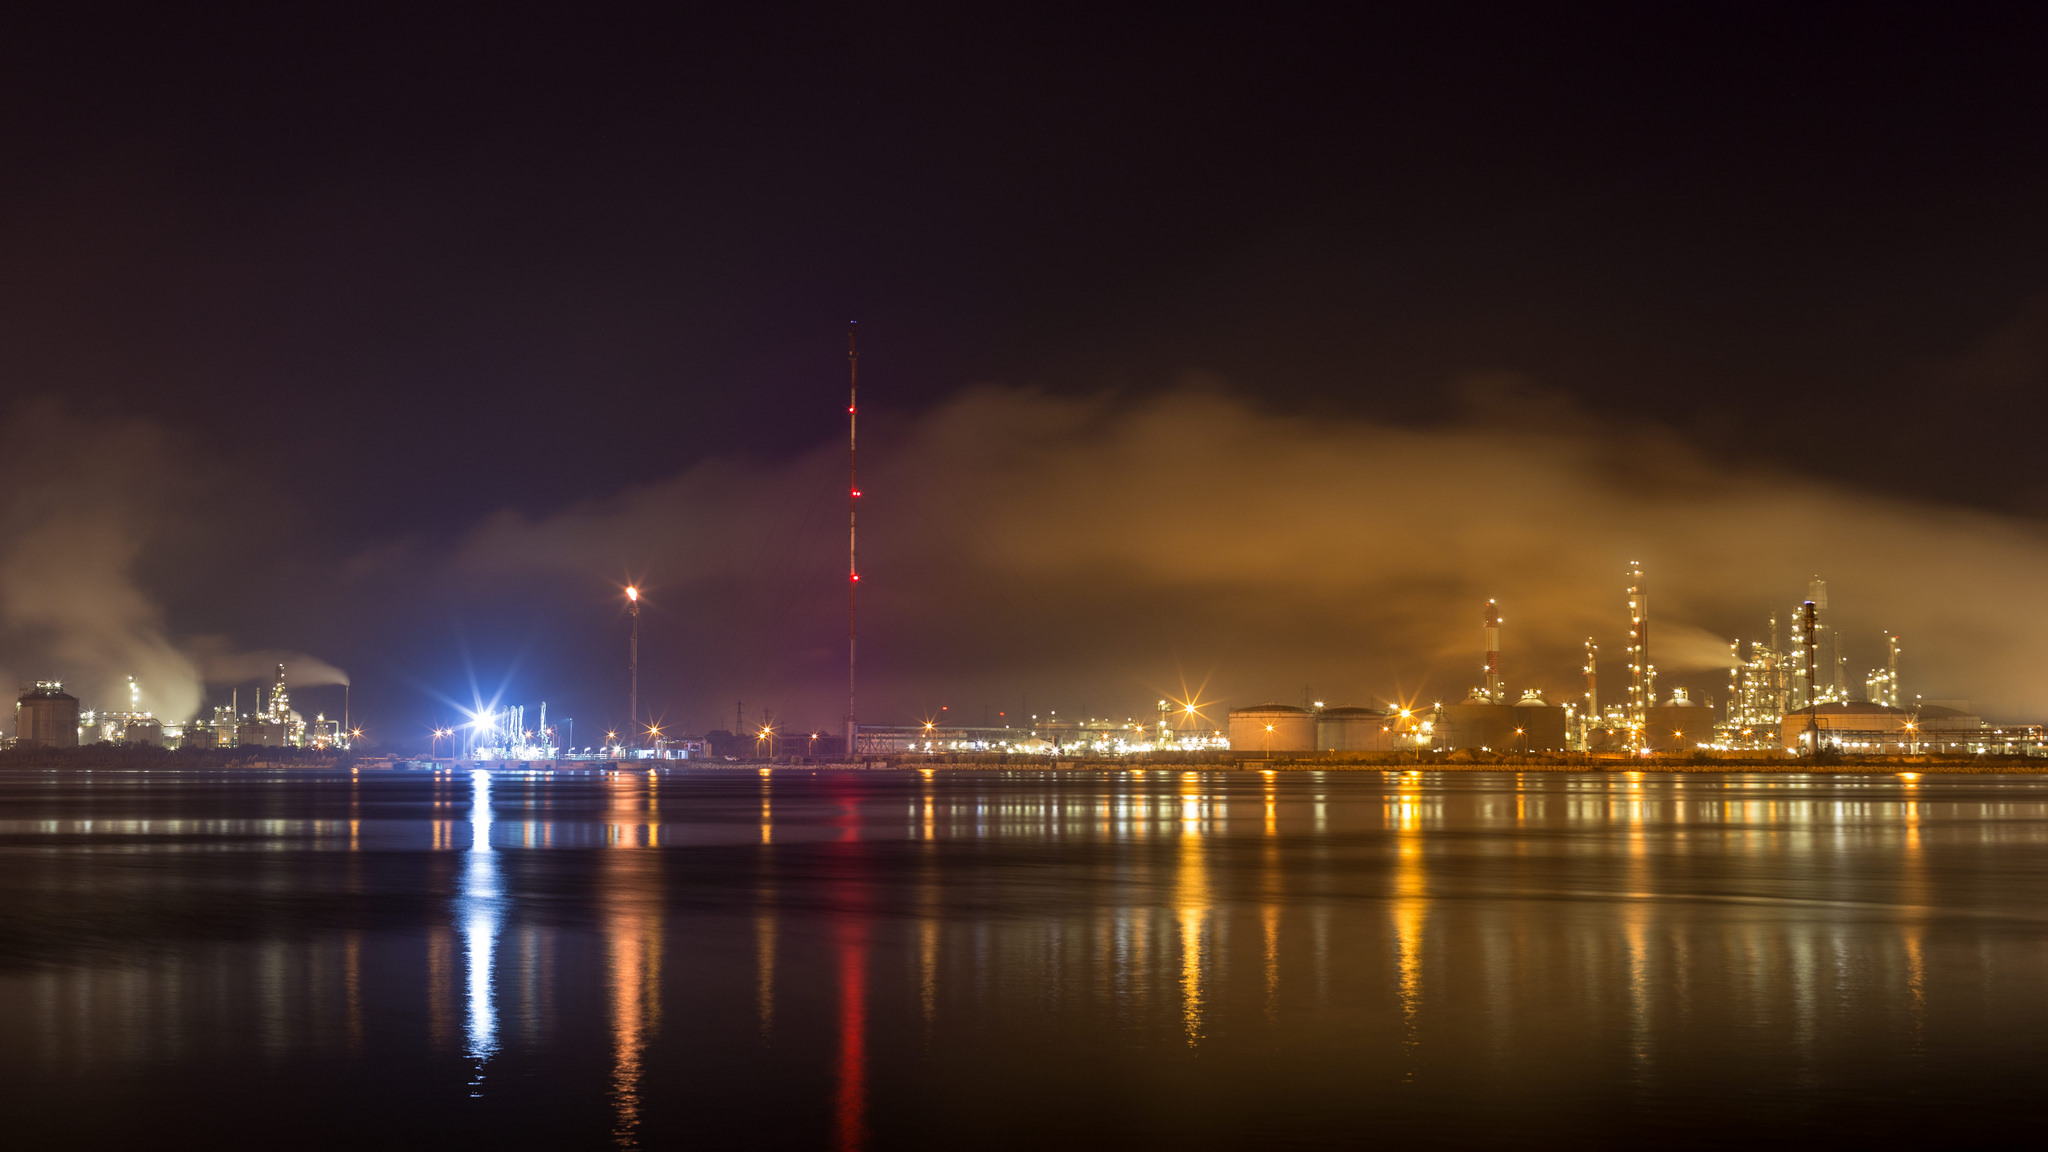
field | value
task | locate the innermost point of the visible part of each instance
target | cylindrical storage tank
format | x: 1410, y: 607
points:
x: 47, y: 717
x: 1478, y: 727
x: 1272, y: 728
x: 1680, y: 727
x: 1542, y: 726
x: 1354, y: 730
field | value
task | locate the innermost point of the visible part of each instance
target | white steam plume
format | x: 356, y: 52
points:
x: 82, y: 500
x: 221, y: 664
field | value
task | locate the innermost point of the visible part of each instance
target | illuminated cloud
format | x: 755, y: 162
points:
x: 1092, y: 551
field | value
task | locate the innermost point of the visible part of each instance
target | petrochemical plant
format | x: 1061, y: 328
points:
x: 1787, y: 694
x: 46, y: 716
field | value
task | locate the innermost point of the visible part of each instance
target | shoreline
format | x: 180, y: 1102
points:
x: 274, y: 759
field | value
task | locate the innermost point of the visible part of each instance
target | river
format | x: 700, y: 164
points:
x: 897, y: 959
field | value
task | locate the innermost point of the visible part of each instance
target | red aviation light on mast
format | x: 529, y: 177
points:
x: 852, y: 533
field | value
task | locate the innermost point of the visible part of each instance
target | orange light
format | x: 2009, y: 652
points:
x: 632, y: 593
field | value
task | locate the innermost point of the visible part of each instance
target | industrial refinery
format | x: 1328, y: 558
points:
x: 1788, y: 694
x: 46, y: 716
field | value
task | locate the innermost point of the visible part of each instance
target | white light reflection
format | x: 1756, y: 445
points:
x: 478, y: 913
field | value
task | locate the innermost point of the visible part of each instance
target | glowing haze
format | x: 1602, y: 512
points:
x: 88, y: 503
x: 1021, y: 548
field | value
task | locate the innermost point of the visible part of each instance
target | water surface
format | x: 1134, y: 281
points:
x: 1018, y: 959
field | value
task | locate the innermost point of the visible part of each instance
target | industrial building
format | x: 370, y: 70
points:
x: 1785, y: 693
x: 1855, y: 726
x: 273, y: 724
x: 46, y: 717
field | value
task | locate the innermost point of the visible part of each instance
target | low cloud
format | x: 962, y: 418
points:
x: 1028, y: 549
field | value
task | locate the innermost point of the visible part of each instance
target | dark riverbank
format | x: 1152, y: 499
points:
x: 121, y: 758
x: 129, y: 758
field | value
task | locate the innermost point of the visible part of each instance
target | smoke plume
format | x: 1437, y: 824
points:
x: 1052, y: 552
x: 221, y: 664
x: 90, y: 503
x: 84, y: 500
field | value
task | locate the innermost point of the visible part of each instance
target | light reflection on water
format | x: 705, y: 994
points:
x: 828, y: 958
x: 478, y: 910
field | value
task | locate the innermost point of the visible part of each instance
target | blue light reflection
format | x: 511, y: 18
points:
x: 478, y: 912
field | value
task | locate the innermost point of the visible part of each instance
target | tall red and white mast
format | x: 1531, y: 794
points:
x: 852, y: 526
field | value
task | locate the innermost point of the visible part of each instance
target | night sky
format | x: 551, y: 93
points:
x: 1252, y: 346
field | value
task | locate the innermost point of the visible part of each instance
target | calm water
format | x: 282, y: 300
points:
x: 1018, y: 959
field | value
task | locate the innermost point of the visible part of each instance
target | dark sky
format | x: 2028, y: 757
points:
x: 370, y: 278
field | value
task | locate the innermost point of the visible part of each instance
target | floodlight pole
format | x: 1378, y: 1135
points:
x: 633, y: 666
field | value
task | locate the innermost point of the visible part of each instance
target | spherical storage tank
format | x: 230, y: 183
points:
x: 1353, y: 730
x: 1272, y: 728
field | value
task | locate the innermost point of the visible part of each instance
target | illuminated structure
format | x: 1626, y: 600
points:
x: 46, y: 716
x: 1854, y: 726
x: 1807, y: 624
x: 502, y: 734
x: 1491, y: 627
x: 632, y: 668
x: 272, y: 725
x: 1759, y: 693
x: 1642, y: 675
x: 1592, y: 671
x: 1882, y: 685
x: 1053, y: 738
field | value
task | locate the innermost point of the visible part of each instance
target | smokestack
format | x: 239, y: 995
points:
x: 1891, y: 666
x: 1492, y: 621
x: 1641, y: 677
x: 1735, y: 674
x: 1812, y: 696
x: 1592, y: 681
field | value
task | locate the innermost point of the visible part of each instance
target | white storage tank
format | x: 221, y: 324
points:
x: 1272, y: 728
